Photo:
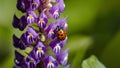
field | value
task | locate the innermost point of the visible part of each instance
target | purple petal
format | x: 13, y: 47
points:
x: 19, y: 23
x: 63, y: 57
x: 62, y: 43
x: 18, y: 57
x: 23, y: 5
x: 30, y: 63
x: 35, y: 4
x: 31, y: 60
x: 40, y: 44
x: 42, y: 20
x: 56, y: 14
x: 32, y: 55
x: 30, y: 36
x: 55, y: 7
x: 19, y: 60
x: 31, y: 17
x: 40, y: 50
x: 55, y: 45
x: 57, y: 49
x: 23, y: 38
x: 55, y: 11
x: 23, y: 23
x: 15, y: 21
x: 32, y: 31
x: 62, y: 23
x: 42, y: 15
x: 50, y: 30
x: 51, y: 62
x: 61, y: 5
x: 18, y: 43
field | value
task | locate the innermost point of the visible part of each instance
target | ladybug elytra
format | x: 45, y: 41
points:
x: 61, y: 33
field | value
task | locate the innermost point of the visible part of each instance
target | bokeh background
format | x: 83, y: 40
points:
x: 94, y: 28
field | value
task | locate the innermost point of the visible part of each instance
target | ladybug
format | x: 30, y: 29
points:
x: 61, y: 33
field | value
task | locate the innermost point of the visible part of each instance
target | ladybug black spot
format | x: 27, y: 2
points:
x: 62, y: 35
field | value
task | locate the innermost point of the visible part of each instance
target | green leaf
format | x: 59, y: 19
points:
x: 92, y: 62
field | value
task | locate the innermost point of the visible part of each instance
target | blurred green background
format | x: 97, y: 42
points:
x: 94, y: 28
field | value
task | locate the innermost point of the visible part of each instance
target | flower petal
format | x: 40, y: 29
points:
x: 63, y: 57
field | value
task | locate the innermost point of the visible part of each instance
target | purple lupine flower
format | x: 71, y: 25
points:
x: 30, y: 36
x: 50, y: 62
x: 19, y: 60
x: 50, y: 30
x: 63, y: 57
x: 55, y: 11
x: 19, y: 23
x: 41, y: 34
x: 35, y: 4
x: 61, y: 5
x: 31, y: 17
x: 31, y: 60
x: 40, y: 50
x: 57, y: 45
x: 23, y: 5
x: 42, y: 21
x: 18, y: 43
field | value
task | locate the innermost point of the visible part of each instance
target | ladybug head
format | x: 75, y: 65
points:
x: 59, y: 28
